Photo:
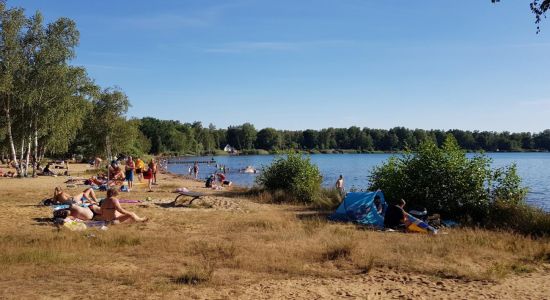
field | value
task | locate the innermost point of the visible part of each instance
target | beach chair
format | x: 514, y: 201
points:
x: 193, y: 195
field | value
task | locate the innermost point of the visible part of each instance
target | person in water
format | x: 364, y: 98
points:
x: 395, y: 215
x: 112, y: 211
x: 196, y: 170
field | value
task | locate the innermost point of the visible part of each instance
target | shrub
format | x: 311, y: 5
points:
x: 519, y: 217
x: 445, y: 180
x: 328, y: 199
x: 294, y: 174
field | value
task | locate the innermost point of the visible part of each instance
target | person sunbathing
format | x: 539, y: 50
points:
x: 59, y: 196
x: 75, y: 211
x: 9, y: 174
x: 112, y: 211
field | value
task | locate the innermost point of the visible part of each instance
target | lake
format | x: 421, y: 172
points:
x: 534, y: 168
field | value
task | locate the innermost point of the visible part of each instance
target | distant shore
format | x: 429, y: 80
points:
x: 326, y: 151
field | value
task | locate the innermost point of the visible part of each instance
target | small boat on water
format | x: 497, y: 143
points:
x: 250, y: 170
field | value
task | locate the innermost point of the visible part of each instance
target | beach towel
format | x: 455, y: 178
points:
x: 416, y: 225
x: 129, y: 201
x: 67, y: 206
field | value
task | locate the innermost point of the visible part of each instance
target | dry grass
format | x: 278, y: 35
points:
x: 202, y: 246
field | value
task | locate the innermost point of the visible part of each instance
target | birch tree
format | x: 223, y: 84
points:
x: 12, y: 22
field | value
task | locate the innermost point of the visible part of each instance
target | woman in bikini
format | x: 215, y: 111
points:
x: 76, y: 211
x: 112, y: 211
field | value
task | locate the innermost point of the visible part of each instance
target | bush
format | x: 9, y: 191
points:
x: 294, y: 174
x: 328, y: 199
x: 519, y: 217
x: 446, y: 181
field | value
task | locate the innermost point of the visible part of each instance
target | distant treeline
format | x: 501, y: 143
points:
x: 193, y: 138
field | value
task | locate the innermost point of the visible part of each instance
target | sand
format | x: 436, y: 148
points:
x: 19, y: 213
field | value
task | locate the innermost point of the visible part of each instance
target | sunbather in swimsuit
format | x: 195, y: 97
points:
x: 76, y: 211
x: 59, y: 196
x: 111, y: 211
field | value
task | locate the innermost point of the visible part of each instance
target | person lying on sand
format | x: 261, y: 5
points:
x: 59, y: 196
x: 76, y: 211
x: 112, y: 211
x: 9, y: 174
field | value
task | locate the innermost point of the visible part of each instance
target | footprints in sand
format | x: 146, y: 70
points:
x: 216, y: 203
x: 382, y: 284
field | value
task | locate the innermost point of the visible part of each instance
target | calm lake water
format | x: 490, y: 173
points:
x: 534, y: 168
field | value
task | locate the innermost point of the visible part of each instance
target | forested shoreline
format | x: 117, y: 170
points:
x: 167, y: 136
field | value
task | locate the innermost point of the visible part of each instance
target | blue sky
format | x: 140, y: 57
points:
x: 303, y: 64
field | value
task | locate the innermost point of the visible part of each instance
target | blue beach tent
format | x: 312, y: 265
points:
x: 360, y: 207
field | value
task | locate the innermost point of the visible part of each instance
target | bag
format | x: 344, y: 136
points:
x: 47, y: 202
x: 61, y: 213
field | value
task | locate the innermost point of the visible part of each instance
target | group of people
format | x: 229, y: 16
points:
x: 43, y: 171
x: 117, y: 173
x: 213, y: 180
x: 6, y: 174
x: 85, y: 206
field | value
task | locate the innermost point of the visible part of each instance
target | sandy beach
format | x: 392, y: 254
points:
x: 233, y: 247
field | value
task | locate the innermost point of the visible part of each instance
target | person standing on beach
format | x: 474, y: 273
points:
x: 97, y: 162
x: 130, y: 167
x: 140, y: 168
x: 153, y: 169
x: 196, y: 170
x: 340, y: 185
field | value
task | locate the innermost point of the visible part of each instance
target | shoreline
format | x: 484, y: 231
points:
x: 247, y: 249
x: 267, y: 153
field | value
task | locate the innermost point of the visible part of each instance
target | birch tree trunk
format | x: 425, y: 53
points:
x: 28, y: 156
x: 10, y: 137
x: 22, y: 155
x: 35, y: 153
x: 108, y: 147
